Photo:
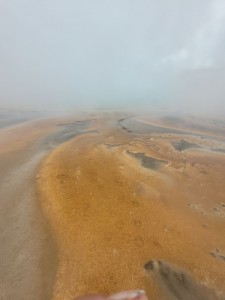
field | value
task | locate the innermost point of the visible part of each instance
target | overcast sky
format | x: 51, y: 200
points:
x: 111, y: 53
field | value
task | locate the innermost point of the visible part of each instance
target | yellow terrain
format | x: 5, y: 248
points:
x: 110, y: 214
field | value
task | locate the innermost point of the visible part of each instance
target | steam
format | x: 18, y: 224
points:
x: 113, y: 54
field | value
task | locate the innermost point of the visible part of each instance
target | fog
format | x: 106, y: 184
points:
x: 113, y: 54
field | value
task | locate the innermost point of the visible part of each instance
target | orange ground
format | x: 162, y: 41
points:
x: 110, y: 215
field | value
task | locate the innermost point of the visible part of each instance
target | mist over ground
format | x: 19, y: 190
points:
x: 116, y: 54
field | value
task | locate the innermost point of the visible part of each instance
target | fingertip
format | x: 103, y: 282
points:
x: 90, y: 297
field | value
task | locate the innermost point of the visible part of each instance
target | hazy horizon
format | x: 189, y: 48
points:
x: 167, y: 55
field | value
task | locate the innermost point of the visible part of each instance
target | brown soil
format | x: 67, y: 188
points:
x: 110, y: 215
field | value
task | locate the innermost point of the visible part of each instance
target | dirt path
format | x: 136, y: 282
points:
x: 27, y: 251
x: 28, y: 258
